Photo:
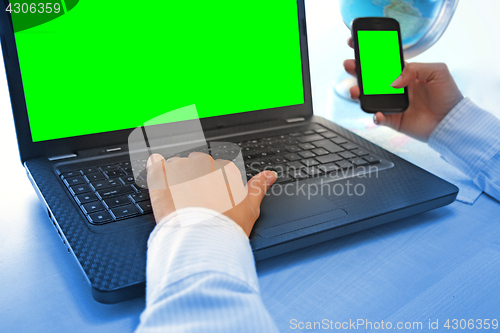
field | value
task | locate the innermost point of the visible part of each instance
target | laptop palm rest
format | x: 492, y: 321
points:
x: 283, y: 213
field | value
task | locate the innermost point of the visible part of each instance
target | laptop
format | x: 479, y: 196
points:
x: 84, y: 75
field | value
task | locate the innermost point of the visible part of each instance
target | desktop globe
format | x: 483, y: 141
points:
x: 422, y: 23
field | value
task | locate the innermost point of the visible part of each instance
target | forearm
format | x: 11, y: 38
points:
x: 201, y: 277
x: 469, y: 138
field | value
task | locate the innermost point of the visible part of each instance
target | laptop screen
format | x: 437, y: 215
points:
x: 97, y: 66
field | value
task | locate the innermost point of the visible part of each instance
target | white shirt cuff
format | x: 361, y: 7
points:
x: 196, y: 240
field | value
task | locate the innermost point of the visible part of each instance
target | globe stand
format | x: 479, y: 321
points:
x: 343, y: 89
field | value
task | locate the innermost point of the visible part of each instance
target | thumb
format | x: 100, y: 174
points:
x: 258, y: 186
x: 418, y: 71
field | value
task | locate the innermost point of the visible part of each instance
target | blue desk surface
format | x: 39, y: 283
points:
x: 440, y: 265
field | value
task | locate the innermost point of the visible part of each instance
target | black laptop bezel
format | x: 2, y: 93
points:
x: 29, y: 149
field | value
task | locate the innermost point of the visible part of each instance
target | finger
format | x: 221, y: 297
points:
x: 159, y: 191
x: 355, y: 92
x: 419, y: 71
x: 153, y: 159
x: 155, y: 174
x: 350, y: 67
x: 390, y: 120
x: 234, y: 181
x: 258, y: 186
x: 203, y: 162
x: 172, y: 159
x: 350, y: 42
x: 197, y: 154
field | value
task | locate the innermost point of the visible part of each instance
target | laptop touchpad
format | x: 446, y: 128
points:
x: 282, y: 214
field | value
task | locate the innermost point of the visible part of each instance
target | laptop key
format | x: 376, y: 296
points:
x: 320, y: 151
x: 127, y: 179
x: 328, y: 158
x: 297, y: 174
x: 329, y: 135
x: 100, y: 217
x: 278, y: 151
x: 115, y: 191
x: 349, y: 146
x: 70, y: 174
x: 308, y: 132
x: 295, y: 165
x: 293, y: 149
x: 117, y: 201
x: 145, y: 207
x: 290, y: 142
x: 339, y: 140
x: 279, y: 168
x: 141, y: 196
x: 250, y: 174
x: 278, y: 160
x: 371, y: 159
x: 330, y: 167
x: 114, y: 173
x: 307, y: 146
x: 310, y: 138
x: 89, y: 170
x: 93, y: 207
x: 320, y: 130
x: 78, y: 189
x: 92, y: 177
x: 125, y: 211
x: 345, y: 164
x: 283, y: 179
x: 310, y: 162
x: 328, y: 145
x: 293, y: 157
x: 105, y: 183
x: 75, y: 181
x: 307, y: 154
x: 109, y: 167
x: 359, y: 162
x: 128, y: 170
x: 347, y: 155
x: 360, y: 152
x: 86, y: 197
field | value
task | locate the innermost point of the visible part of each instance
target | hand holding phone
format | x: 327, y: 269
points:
x: 433, y: 94
x: 379, y: 61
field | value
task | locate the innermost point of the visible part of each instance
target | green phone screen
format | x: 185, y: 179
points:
x: 380, y: 59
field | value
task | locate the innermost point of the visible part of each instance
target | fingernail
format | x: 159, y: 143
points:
x: 273, y: 173
x: 375, y: 119
x: 397, y: 82
x: 150, y: 161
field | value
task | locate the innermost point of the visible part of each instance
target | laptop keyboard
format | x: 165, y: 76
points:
x: 108, y: 193
x: 301, y: 155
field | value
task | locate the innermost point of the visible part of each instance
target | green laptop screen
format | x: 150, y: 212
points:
x: 99, y: 66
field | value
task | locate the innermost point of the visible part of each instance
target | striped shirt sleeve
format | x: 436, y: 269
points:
x: 469, y: 138
x: 201, y: 277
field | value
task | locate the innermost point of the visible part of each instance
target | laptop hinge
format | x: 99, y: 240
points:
x: 61, y: 157
x: 295, y: 120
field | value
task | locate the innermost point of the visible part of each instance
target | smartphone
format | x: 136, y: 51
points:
x: 379, y: 61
